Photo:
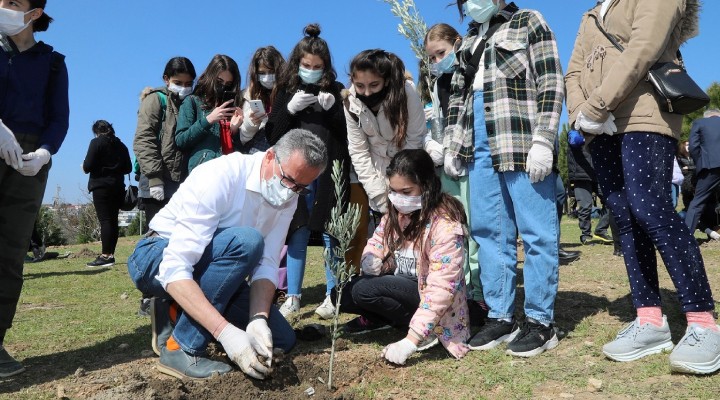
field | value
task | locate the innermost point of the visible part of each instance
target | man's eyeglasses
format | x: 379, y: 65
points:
x: 290, y: 183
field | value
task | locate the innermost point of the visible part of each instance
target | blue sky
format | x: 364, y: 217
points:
x: 116, y: 48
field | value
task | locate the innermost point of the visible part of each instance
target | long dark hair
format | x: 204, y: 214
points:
x: 417, y: 166
x: 41, y: 24
x: 391, y: 68
x: 205, y: 88
x: 270, y: 57
x: 313, y: 44
x: 179, y: 65
x: 103, y: 128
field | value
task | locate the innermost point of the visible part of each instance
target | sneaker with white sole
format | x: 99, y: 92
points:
x: 291, y: 305
x: 102, y: 261
x: 636, y: 341
x: 8, y: 365
x: 494, y: 332
x: 698, y: 352
x: 326, y: 310
x: 429, y: 342
x: 533, y: 339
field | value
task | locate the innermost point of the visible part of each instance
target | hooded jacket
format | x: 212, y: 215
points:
x: 601, y: 79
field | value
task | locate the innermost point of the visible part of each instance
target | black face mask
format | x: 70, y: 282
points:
x: 374, y: 99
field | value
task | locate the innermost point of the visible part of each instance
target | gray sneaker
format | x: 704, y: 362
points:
x: 429, y: 342
x: 8, y: 365
x: 636, y: 341
x: 182, y: 365
x: 698, y: 352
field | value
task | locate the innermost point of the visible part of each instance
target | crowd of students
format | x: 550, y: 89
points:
x: 454, y: 186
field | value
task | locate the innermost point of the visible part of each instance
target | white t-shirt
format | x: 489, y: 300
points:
x: 221, y: 193
x: 406, y: 263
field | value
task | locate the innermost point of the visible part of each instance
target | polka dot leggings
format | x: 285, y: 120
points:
x: 634, y: 170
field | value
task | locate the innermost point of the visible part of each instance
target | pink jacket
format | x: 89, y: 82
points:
x: 441, y: 282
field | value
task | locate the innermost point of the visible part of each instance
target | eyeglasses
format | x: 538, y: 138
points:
x: 290, y: 183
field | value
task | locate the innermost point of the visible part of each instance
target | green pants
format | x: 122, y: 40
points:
x: 459, y: 190
x: 20, y: 200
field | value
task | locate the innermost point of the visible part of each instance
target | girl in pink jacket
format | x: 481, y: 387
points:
x: 412, y: 268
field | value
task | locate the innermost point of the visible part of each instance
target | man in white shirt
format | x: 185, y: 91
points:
x: 215, y: 249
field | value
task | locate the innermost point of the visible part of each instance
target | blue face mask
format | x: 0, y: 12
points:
x: 310, y: 75
x: 444, y: 66
x: 480, y: 10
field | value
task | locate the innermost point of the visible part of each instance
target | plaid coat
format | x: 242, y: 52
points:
x: 523, y: 90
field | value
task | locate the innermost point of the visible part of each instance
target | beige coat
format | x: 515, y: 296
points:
x: 600, y: 79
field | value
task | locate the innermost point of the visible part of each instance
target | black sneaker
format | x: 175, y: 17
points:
x: 533, y: 339
x: 361, y: 325
x: 8, y: 365
x: 604, y: 238
x: 477, y: 312
x: 587, y: 240
x: 494, y: 332
x: 102, y: 261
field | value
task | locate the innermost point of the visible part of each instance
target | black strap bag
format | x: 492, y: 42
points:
x: 678, y: 92
x: 130, y: 200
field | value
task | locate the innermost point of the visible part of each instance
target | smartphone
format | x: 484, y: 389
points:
x: 229, y: 95
x: 257, y: 106
x: 312, y: 89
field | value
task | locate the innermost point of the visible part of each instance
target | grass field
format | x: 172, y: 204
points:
x: 78, y: 334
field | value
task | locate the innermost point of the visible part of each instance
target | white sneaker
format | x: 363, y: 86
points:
x: 291, y: 305
x: 712, y: 234
x: 326, y: 310
x: 698, y: 352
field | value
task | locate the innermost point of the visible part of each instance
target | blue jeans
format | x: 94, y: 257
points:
x: 501, y: 204
x: 634, y: 172
x: 330, y: 244
x: 222, y: 274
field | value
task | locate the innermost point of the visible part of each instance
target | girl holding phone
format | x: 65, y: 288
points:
x: 258, y: 96
x: 211, y: 115
x: 307, y: 96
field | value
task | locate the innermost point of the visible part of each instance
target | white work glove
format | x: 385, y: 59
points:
x: 370, y: 265
x: 242, y: 349
x: 10, y: 149
x: 33, y: 161
x: 539, y: 161
x: 435, y: 150
x: 326, y: 100
x: 158, y: 192
x: 398, y: 352
x: 453, y: 167
x: 584, y: 124
x: 258, y: 329
x: 300, y: 101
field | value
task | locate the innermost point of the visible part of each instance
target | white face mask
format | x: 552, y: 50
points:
x: 481, y: 10
x: 267, y: 80
x: 13, y: 22
x: 182, y: 91
x: 405, y: 204
x: 274, y: 192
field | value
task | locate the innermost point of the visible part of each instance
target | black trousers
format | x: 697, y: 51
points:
x: 703, y: 204
x: 583, y: 195
x: 107, y: 203
x: 386, y: 299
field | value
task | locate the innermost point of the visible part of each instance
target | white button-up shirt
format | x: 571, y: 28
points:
x: 221, y: 193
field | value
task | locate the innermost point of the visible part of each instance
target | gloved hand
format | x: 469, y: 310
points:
x: 258, y: 330
x: 435, y: 150
x: 398, y: 352
x: 326, y: 100
x: 609, y: 127
x: 539, y: 161
x: 158, y: 192
x: 370, y: 265
x: 300, y: 101
x: 33, y: 161
x: 429, y: 112
x: 10, y: 150
x: 240, y: 349
x: 453, y: 166
x: 583, y: 123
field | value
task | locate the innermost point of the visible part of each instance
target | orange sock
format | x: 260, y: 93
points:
x: 172, y: 345
x: 704, y: 318
x: 650, y: 315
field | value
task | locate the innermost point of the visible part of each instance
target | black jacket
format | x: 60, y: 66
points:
x: 107, y: 161
x: 330, y: 127
x: 580, y: 165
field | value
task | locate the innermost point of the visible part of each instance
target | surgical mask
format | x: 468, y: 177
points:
x: 181, y: 91
x: 310, y: 75
x: 405, y: 204
x: 373, y: 100
x: 274, y: 192
x: 443, y: 66
x: 267, y: 80
x: 13, y: 22
x: 480, y: 10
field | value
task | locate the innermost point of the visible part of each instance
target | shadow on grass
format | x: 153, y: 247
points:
x: 56, y: 366
x: 87, y: 272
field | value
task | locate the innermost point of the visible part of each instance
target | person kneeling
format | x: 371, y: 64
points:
x: 215, y: 249
x: 412, y: 268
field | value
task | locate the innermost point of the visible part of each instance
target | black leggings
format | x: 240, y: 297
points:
x: 107, y: 203
x: 386, y: 299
